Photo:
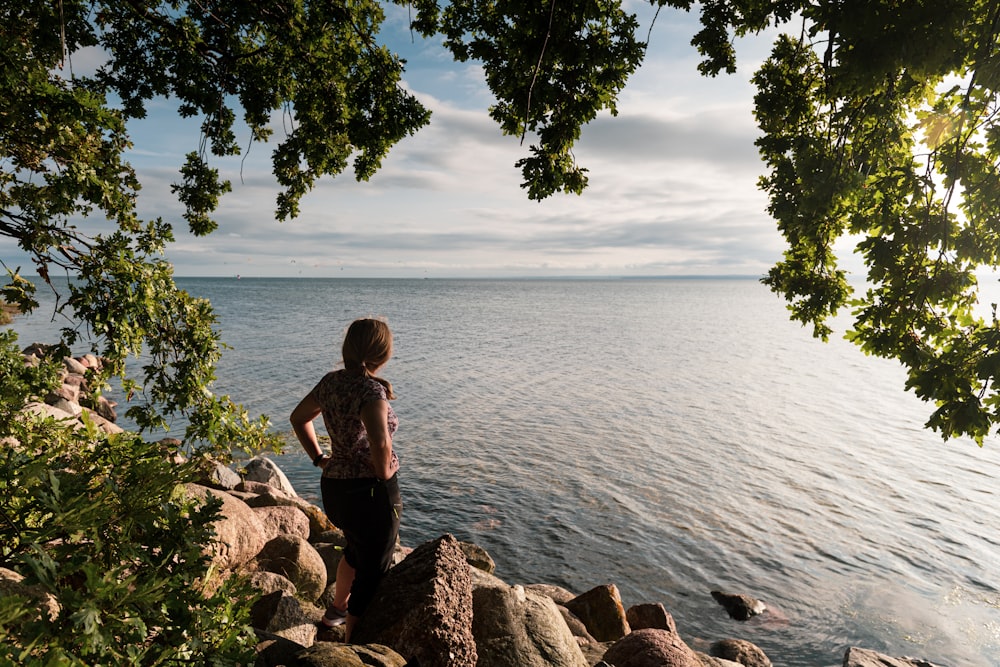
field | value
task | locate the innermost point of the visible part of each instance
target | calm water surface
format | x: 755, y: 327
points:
x: 669, y: 436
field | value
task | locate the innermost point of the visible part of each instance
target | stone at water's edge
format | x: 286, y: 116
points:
x: 515, y: 626
x: 602, y: 612
x: 860, y: 657
x: 739, y: 607
x: 650, y: 615
x: 651, y: 648
x: 263, y: 469
x: 740, y: 651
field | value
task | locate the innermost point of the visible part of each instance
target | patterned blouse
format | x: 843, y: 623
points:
x: 341, y: 394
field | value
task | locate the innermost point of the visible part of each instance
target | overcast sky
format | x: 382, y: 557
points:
x: 673, y: 184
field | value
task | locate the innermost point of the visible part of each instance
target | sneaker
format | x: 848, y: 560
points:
x: 339, y: 618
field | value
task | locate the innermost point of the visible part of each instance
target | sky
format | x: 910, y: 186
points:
x: 673, y: 183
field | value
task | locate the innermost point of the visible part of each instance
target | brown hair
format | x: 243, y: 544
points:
x: 367, y: 346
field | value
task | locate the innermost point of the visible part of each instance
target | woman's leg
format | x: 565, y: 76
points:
x: 342, y: 588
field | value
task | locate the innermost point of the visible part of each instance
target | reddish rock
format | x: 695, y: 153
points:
x: 650, y: 615
x: 741, y: 651
x: 651, y: 648
x: 423, y: 608
x: 602, y: 612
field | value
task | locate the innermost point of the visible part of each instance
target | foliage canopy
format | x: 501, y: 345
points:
x: 878, y: 119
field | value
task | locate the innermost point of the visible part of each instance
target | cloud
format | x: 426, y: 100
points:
x: 672, y: 187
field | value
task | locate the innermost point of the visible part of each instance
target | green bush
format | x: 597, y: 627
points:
x: 97, y: 522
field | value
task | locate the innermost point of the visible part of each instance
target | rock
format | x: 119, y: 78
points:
x: 260, y: 488
x: 324, y: 654
x: 239, y: 534
x: 101, y: 423
x: 514, y: 626
x: 263, y: 469
x: 575, y: 625
x: 739, y: 607
x: 477, y: 557
x: 74, y: 366
x: 71, y: 407
x: 270, y: 496
x: 860, y: 657
x: 651, y: 648
x: 283, y: 520
x: 601, y: 611
x: 106, y: 409
x: 711, y: 661
x: 269, y: 582
x: 284, y: 615
x: 275, y: 651
x: 558, y: 594
x: 650, y: 615
x: 423, y: 608
x: 46, y: 603
x: 67, y: 391
x: 740, y: 651
x: 219, y: 476
x: 295, y: 559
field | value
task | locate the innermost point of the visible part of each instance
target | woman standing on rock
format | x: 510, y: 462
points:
x: 359, y: 485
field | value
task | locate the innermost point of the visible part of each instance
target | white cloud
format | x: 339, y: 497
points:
x: 672, y: 188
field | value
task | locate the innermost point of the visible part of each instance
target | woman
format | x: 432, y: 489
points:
x: 359, y: 485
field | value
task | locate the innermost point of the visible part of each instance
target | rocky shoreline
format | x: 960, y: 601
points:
x: 441, y: 604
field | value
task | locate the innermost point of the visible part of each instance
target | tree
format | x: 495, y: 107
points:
x: 878, y: 122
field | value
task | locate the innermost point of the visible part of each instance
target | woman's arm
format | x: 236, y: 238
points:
x: 302, y: 423
x: 375, y: 417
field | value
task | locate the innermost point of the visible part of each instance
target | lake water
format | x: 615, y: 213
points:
x: 669, y: 436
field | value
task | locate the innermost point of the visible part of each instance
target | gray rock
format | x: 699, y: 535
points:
x: 275, y: 651
x: 514, y: 626
x: 219, y: 476
x: 602, y: 612
x: 741, y: 651
x: 423, y: 608
x: 478, y: 557
x: 294, y: 558
x: 283, y: 520
x: 263, y: 469
x: 739, y: 607
x: 270, y: 582
x: 239, y: 534
x: 284, y: 615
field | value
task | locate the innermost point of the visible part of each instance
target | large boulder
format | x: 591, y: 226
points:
x: 558, y: 594
x: 741, y: 651
x: 263, y: 469
x: 515, y: 626
x: 651, y: 648
x: 265, y: 495
x: 860, y: 657
x: 285, y: 615
x: 283, y: 520
x: 602, y: 612
x: 239, y: 534
x: 295, y: 559
x: 423, y: 608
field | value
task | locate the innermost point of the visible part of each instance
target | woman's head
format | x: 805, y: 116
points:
x: 367, y: 345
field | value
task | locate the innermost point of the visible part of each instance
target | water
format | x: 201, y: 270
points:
x: 669, y: 436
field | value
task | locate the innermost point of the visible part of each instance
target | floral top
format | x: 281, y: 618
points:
x: 341, y: 394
